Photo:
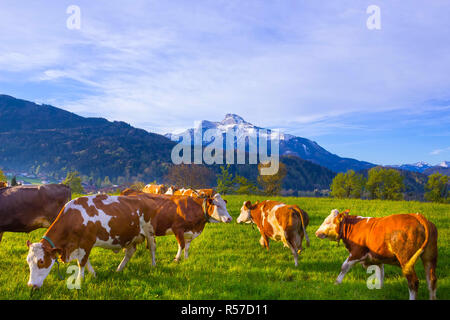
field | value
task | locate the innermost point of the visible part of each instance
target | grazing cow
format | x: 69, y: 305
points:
x: 205, y: 192
x: 111, y: 222
x: 186, y: 192
x: 192, y: 192
x: 277, y: 221
x: 398, y: 239
x: 3, y: 184
x: 26, y: 208
x: 184, y: 216
x: 170, y: 190
x: 154, y: 188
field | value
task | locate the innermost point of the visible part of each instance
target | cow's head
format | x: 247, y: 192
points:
x: 219, y: 211
x: 40, y: 260
x: 245, y: 215
x: 330, y: 226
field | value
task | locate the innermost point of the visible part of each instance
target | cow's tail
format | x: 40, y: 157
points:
x: 407, y: 269
x: 300, y: 212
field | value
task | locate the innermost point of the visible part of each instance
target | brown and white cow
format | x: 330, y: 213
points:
x: 154, y: 188
x: 170, y: 190
x: 186, y: 192
x: 398, y: 239
x: 205, y: 192
x: 191, y: 192
x: 26, y: 208
x: 277, y: 221
x: 184, y: 216
x: 111, y: 222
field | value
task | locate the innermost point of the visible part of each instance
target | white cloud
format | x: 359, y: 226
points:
x: 161, y: 65
x: 439, y: 151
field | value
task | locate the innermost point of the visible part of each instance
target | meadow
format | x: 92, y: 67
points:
x: 227, y: 262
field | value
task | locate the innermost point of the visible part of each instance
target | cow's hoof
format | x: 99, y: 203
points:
x: 337, y: 283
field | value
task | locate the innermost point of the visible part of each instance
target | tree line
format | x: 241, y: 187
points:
x: 380, y: 183
x: 385, y: 184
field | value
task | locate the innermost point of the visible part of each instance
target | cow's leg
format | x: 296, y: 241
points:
x: 90, y: 268
x: 264, y: 241
x: 129, y: 251
x: 413, y: 284
x: 429, y: 260
x: 294, y: 253
x: 80, y: 276
x: 348, y: 263
x: 294, y: 243
x: 151, y: 243
x: 189, y: 237
x: 181, y: 244
x: 410, y: 274
x: 381, y: 275
x: 430, y: 273
x: 186, y: 248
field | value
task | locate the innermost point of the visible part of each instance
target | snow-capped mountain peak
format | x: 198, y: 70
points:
x: 445, y: 164
x: 231, y: 118
x: 421, y: 164
x: 289, y: 144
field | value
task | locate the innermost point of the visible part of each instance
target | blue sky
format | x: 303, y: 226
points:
x: 310, y: 68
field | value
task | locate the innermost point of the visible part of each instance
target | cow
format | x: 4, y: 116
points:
x: 111, y: 222
x: 277, y: 221
x: 184, y: 216
x: 26, y: 208
x: 205, y: 192
x: 192, y: 192
x: 186, y: 192
x: 3, y: 184
x: 155, y: 188
x: 170, y: 190
x: 398, y: 239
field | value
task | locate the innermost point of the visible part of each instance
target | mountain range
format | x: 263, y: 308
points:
x: 289, y: 145
x: 426, y: 168
x: 43, y: 139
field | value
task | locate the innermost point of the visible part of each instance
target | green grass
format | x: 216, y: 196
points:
x: 227, y: 262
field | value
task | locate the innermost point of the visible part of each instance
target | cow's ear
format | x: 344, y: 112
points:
x: 247, y: 204
x: 225, y: 201
x: 28, y: 243
x: 347, y: 211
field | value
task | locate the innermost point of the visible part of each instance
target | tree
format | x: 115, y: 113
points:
x: 137, y: 185
x: 437, y: 187
x: 2, y: 176
x: 73, y: 180
x: 385, y: 184
x: 106, y: 182
x: 348, y: 185
x: 243, y: 185
x: 14, y: 181
x: 190, y: 176
x: 225, y: 181
x: 272, y: 184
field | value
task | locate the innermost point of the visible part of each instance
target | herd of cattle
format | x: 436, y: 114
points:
x: 121, y: 222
